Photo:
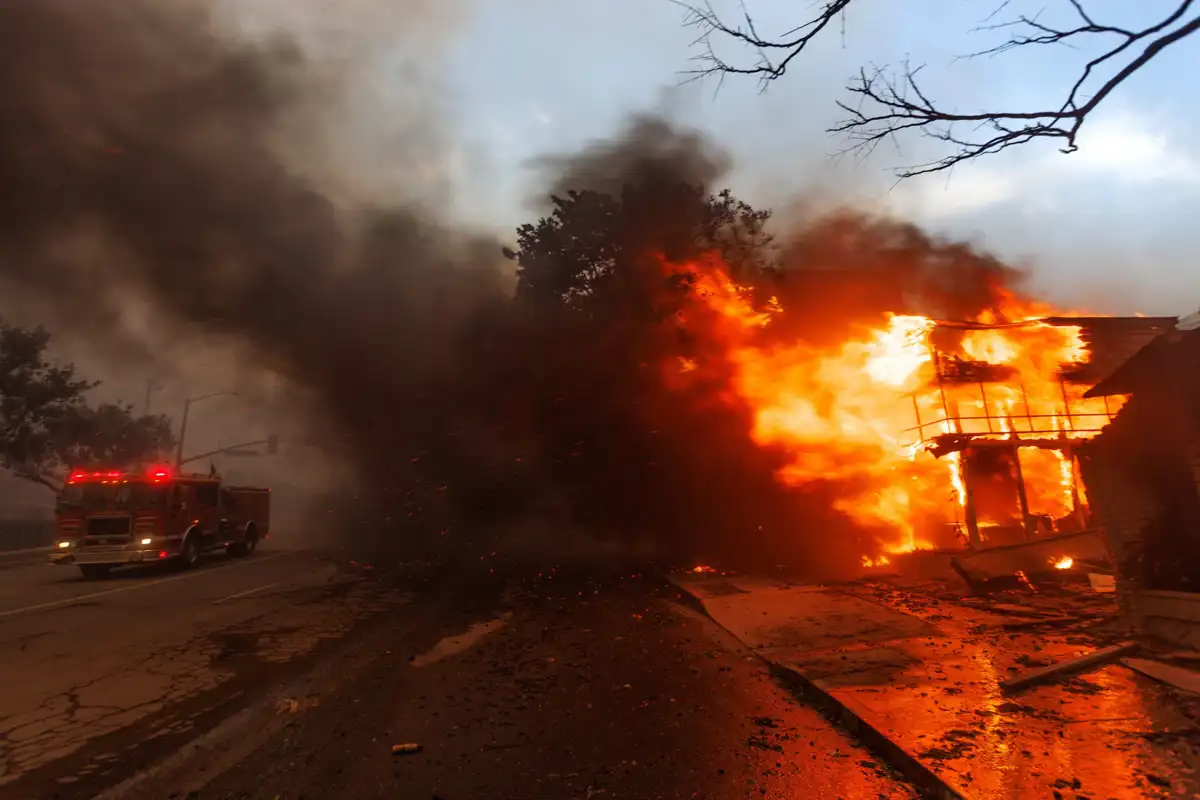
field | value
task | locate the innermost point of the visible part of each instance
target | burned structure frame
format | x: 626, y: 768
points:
x: 1110, y: 341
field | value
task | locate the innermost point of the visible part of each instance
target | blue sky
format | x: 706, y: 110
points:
x: 1111, y: 226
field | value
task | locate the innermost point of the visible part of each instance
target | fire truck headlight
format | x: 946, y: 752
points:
x: 147, y: 541
x: 63, y: 545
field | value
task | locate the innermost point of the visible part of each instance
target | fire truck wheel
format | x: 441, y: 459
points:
x: 189, y: 554
x: 247, y: 546
x: 93, y: 571
x: 251, y: 543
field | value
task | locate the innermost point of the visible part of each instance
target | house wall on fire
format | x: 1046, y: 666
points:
x: 1142, y: 475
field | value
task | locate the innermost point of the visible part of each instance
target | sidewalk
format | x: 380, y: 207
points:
x: 913, y: 670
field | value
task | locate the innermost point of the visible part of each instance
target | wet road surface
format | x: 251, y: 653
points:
x: 571, y: 688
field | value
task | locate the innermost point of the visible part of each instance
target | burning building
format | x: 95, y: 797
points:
x: 1143, y: 472
x: 1007, y: 405
x: 931, y: 433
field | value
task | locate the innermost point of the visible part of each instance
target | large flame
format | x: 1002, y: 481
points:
x: 865, y: 412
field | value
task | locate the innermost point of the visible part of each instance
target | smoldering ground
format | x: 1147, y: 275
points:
x: 146, y: 151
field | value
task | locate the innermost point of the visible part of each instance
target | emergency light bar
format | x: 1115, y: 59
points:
x: 155, y: 474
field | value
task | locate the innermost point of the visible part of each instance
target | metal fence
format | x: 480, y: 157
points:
x: 22, y: 534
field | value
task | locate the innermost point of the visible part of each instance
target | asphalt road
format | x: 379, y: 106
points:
x: 287, y: 676
x: 98, y: 678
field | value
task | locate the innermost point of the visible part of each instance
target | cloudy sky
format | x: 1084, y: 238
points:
x: 1109, y: 226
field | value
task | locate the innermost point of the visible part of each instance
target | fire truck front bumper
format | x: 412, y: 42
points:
x: 73, y: 553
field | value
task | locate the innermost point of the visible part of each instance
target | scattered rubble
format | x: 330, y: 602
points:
x: 927, y: 671
x: 1095, y: 659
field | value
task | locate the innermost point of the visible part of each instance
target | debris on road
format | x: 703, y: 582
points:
x: 1043, y: 554
x: 1183, y: 679
x: 1095, y: 659
x: 287, y: 705
x: 916, y: 664
x: 406, y: 749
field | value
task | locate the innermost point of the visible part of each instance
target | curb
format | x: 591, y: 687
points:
x: 856, y: 720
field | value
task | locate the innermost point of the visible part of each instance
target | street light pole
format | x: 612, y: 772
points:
x: 183, y: 421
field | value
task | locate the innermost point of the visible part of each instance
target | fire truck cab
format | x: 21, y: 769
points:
x: 108, y: 519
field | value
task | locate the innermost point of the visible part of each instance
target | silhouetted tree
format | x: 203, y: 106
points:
x: 592, y: 374
x: 46, y: 425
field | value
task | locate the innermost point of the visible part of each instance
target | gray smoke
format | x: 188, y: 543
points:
x: 142, y: 153
x: 650, y: 149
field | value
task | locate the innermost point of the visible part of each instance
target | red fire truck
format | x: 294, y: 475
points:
x: 108, y: 519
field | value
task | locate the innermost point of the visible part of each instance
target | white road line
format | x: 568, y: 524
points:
x: 247, y: 592
x: 133, y: 586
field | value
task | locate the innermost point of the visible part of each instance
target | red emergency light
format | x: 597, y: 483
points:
x: 156, y: 474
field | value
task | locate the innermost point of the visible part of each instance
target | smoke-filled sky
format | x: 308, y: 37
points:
x: 145, y: 148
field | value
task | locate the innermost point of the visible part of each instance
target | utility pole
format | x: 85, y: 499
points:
x: 183, y: 421
x: 151, y: 387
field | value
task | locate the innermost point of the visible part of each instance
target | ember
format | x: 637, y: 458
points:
x: 936, y: 432
x: 1066, y: 562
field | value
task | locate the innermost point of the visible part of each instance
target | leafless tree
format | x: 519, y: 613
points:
x: 891, y: 101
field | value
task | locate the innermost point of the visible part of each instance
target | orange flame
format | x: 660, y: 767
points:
x: 865, y: 412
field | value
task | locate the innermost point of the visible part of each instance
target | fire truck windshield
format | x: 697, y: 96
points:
x: 112, y: 496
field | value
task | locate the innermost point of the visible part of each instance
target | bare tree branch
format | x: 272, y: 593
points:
x: 774, y: 55
x: 891, y: 103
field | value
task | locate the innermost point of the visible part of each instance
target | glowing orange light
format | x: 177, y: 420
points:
x: 843, y: 414
x: 1066, y: 562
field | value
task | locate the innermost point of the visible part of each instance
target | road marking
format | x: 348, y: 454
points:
x: 247, y: 592
x: 131, y: 587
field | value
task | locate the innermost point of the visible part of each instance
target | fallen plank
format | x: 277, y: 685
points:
x: 1186, y: 679
x: 1096, y: 659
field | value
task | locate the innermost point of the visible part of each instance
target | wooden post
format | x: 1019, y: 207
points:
x: 1025, y: 402
x: 987, y: 413
x: 973, y: 537
x: 1066, y: 404
x: 1022, y: 497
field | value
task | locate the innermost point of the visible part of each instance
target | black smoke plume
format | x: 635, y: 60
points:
x: 139, y: 154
